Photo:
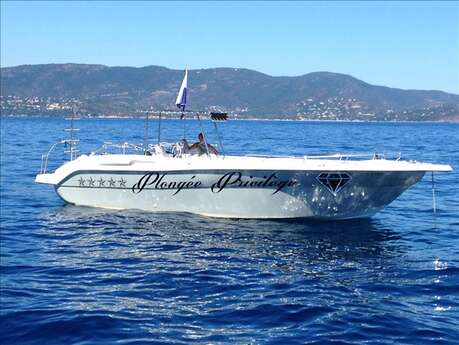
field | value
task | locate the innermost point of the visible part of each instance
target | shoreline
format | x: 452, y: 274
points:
x: 114, y: 117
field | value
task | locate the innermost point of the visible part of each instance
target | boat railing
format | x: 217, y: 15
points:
x: 176, y: 149
x: 390, y: 156
x: 45, y: 157
x: 124, y: 148
x: 339, y: 156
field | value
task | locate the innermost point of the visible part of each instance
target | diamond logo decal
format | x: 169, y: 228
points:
x: 334, y: 181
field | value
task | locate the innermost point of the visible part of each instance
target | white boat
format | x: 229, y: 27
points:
x: 169, y: 178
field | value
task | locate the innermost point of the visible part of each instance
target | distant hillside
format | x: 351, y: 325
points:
x: 106, y: 90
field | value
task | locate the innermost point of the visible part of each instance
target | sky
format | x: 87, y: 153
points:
x: 409, y: 45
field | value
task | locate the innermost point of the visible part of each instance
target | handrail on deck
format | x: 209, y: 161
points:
x: 338, y: 156
x: 176, y: 149
x: 44, y: 157
x: 395, y: 155
x: 123, y: 146
x: 173, y: 148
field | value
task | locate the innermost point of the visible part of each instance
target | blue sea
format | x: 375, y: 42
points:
x: 76, y: 275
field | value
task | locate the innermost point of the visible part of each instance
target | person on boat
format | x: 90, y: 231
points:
x: 200, y: 146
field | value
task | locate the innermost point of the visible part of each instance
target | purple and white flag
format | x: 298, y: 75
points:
x: 181, y: 97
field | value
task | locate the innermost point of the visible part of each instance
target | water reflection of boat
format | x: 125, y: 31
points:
x: 166, y: 177
x: 292, y: 241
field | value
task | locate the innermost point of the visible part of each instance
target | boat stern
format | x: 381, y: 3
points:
x: 47, y: 179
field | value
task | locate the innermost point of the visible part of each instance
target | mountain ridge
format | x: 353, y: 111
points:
x: 123, y: 90
x: 223, y: 68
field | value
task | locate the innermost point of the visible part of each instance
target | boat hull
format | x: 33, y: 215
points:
x: 240, y: 193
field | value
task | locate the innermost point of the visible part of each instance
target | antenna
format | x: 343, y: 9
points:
x: 159, y: 128
x: 71, y: 142
x: 434, y: 202
x: 145, y: 141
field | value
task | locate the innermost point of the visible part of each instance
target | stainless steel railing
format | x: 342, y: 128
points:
x: 45, y: 157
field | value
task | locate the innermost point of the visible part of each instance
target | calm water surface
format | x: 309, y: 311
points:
x: 75, y: 275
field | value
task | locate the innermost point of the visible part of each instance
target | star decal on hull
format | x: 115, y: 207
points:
x: 95, y: 182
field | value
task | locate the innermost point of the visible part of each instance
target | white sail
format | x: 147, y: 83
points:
x: 181, y: 97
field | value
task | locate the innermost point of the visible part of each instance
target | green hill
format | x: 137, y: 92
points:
x: 104, y: 90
